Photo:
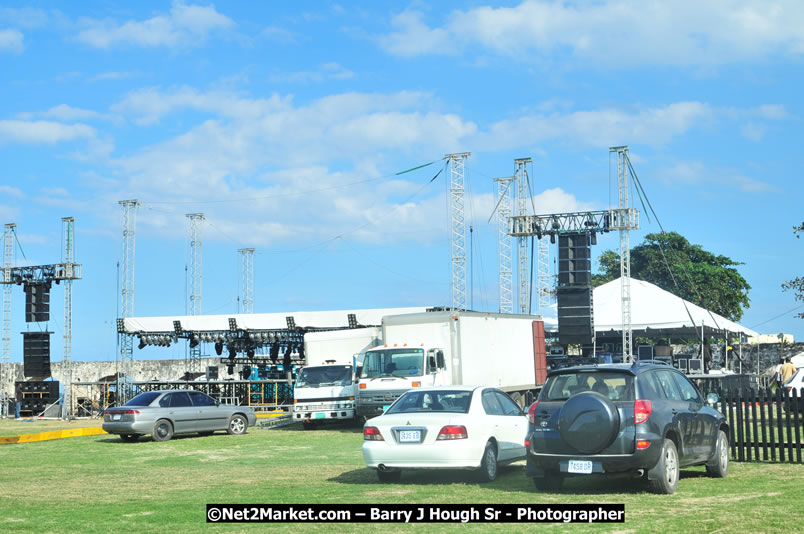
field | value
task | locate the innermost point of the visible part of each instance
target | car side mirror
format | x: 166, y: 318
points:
x: 712, y: 399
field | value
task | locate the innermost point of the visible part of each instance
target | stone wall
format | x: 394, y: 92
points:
x: 141, y: 370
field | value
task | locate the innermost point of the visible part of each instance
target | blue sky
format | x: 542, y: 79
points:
x: 285, y: 123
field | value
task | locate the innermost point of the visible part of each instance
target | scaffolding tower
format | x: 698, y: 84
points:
x: 196, y: 282
x: 458, y: 228
x: 8, y: 263
x: 247, y: 264
x: 523, y: 256
x: 504, y: 243
x: 126, y: 298
x: 68, y: 234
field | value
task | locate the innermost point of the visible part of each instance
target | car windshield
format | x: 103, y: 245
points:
x: 432, y: 401
x: 328, y: 375
x: 393, y: 362
x: 615, y: 386
x: 143, y: 399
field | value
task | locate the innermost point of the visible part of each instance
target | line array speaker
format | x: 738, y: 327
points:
x: 37, y: 302
x: 36, y: 354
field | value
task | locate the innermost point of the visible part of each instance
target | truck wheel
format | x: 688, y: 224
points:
x: 488, y: 465
x: 666, y: 470
x: 308, y: 425
x: 719, y: 466
x: 389, y: 476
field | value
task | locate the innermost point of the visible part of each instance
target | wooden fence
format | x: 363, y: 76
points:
x: 765, y: 426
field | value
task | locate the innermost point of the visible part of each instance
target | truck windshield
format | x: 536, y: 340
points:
x: 393, y: 362
x: 327, y: 375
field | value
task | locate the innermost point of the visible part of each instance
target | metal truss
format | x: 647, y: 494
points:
x: 458, y: 229
x: 196, y: 282
x: 247, y: 260
x: 127, y: 294
x: 505, y: 247
x: 523, y: 248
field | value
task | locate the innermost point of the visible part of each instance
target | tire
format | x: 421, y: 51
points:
x: 237, y: 425
x: 588, y: 422
x: 163, y: 430
x: 389, y: 476
x: 666, y: 470
x: 719, y: 466
x: 308, y: 425
x: 551, y: 481
x: 129, y: 438
x: 487, y: 472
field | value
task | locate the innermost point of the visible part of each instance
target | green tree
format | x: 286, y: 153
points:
x: 669, y: 261
x: 796, y: 285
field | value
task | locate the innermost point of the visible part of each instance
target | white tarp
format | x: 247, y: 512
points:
x: 262, y: 321
x: 653, y: 308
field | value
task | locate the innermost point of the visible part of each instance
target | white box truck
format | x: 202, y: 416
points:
x: 325, y: 388
x: 452, y: 348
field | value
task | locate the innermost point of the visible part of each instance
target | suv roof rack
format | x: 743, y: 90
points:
x: 655, y: 362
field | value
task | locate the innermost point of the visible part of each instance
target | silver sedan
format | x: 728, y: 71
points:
x: 165, y: 413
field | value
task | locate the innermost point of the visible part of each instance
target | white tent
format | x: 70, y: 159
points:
x: 655, y: 311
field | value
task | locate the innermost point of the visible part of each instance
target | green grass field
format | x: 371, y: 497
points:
x: 100, y: 484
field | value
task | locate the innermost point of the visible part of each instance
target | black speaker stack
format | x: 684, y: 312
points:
x: 37, y: 302
x: 576, y: 324
x: 36, y: 354
x: 36, y: 395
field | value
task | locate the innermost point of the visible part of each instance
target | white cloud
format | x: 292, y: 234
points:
x: 184, y: 25
x: 327, y: 71
x: 695, y: 173
x: 63, y: 112
x: 9, y: 191
x: 600, y: 128
x: 11, y: 41
x: 35, y: 132
x: 619, y: 33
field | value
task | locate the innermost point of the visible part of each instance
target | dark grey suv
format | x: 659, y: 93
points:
x: 645, y: 419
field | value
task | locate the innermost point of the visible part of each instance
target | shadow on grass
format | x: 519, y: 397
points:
x: 344, y: 428
x: 429, y: 477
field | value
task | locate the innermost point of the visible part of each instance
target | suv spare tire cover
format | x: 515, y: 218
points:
x: 588, y: 422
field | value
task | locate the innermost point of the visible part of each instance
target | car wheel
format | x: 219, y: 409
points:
x: 129, y: 438
x: 207, y: 433
x: 719, y: 466
x: 666, y: 470
x: 551, y: 481
x: 488, y: 465
x: 237, y: 425
x: 389, y: 476
x: 163, y: 430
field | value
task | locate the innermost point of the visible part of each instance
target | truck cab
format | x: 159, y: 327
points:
x: 324, y: 393
x: 390, y: 371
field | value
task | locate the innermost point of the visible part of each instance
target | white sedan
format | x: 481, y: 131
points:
x: 449, y: 427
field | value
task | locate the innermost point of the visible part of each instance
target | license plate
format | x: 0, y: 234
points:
x: 320, y: 416
x: 583, y: 467
x: 116, y: 417
x: 409, y: 436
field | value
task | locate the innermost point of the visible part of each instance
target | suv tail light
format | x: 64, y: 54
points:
x: 372, y: 433
x: 452, y: 432
x: 532, y: 413
x: 642, y: 410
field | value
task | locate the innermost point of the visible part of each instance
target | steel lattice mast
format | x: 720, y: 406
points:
x: 458, y: 228
x: 68, y: 229
x: 523, y: 259
x: 127, y: 295
x: 247, y: 261
x: 8, y: 263
x: 505, y: 264
x: 196, y: 281
x: 625, y: 249
x: 543, y: 274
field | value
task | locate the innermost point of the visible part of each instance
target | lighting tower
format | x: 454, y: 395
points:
x: 8, y: 263
x: 458, y: 227
x: 68, y: 229
x: 624, y: 224
x: 522, y: 198
x: 127, y: 294
x: 247, y: 260
x: 504, y: 244
x: 196, y: 281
